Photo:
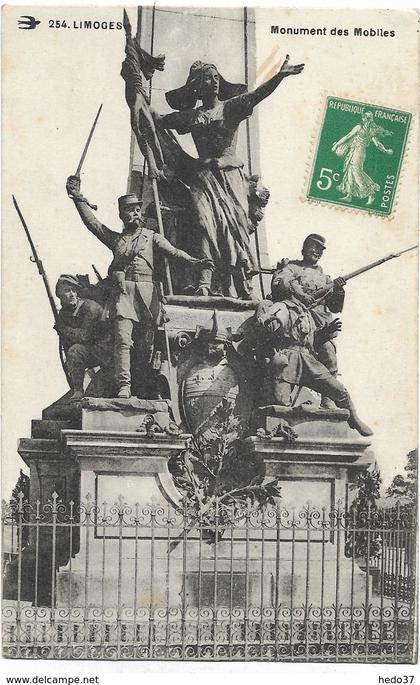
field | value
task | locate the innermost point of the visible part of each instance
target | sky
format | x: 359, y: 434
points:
x: 54, y: 81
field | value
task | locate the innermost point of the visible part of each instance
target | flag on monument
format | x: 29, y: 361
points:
x: 136, y: 63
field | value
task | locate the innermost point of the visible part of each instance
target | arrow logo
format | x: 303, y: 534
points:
x: 27, y: 22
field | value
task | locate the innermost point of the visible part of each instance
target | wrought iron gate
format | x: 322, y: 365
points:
x: 122, y: 582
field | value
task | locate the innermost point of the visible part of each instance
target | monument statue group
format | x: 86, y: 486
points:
x: 200, y: 415
x: 288, y: 342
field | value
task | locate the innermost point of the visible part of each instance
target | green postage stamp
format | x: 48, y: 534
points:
x: 359, y: 155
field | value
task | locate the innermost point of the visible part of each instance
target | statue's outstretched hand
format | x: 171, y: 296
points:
x: 73, y: 186
x: 287, y: 69
x: 73, y: 191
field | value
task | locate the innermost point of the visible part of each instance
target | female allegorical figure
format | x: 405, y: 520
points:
x: 356, y: 182
x: 218, y: 190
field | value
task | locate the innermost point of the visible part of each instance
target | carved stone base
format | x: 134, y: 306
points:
x: 309, y: 420
x: 123, y: 414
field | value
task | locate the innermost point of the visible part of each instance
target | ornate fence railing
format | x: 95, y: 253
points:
x: 124, y: 582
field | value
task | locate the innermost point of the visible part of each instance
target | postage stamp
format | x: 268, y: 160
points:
x: 359, y: 155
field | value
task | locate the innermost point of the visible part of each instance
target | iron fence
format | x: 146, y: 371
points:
x: 124, y: 582
x: 391, y: 570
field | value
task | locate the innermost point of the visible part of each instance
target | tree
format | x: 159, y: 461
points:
x: 405, y: 486
x: 361, y: 538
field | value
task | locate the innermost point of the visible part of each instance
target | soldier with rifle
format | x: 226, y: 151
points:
x: 297, y: 324
x: 134, y: 304
x: 299, y: 280
x: 36, y: 260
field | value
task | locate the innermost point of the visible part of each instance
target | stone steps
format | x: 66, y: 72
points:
x: 48, y: 428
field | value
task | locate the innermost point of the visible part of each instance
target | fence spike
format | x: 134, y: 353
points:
x: 20, y: 499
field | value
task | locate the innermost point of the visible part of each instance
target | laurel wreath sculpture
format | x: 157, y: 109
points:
x: 220, y: 476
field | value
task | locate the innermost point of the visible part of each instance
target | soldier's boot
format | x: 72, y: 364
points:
x: 327, y: 403
x: 355, y: 422
x: 124, y: 392
x: 243, y: 284
x: 327, y: 356
x: 77, y: 362
x: 204, y: 283
x: 122, y: 356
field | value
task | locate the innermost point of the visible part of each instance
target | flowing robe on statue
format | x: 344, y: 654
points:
x: 217, y: 186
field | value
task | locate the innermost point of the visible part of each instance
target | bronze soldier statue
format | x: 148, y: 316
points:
x: 293, y: 333
x: 299, y: 280
x: 290, y: 341
x: 82, y: 333
x: 134, y: 301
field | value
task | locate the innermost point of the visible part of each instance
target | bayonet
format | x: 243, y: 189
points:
x: 85, y: 149
x: 97, y: 274
x: 36, y: 260
x: 272, y: 270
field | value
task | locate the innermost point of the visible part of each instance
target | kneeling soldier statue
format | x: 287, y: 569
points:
x: 299, y: 280
x: 82, y: 333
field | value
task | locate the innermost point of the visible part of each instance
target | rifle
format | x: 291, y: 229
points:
x: 272, y: 270
x: 265, y: 270
x: 36, y: 260
x: 322, y: 293
x: 97, y: 274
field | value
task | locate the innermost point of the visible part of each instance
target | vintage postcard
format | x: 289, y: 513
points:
x: 210, y: 317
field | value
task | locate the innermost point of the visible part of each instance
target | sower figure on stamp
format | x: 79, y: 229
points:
x: 299, y: 280
x: 218, y: 190
x: 83, y: 334
x: 134, y: 301
x: 353, y: 147
x: 290, y: 341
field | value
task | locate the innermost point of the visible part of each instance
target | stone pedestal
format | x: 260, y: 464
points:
x: 54, y: 466
x: 129, y: 469
x: 107, y: 451
x: 314, y: 473
x: 300, y: 560
x: 321, y: 463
